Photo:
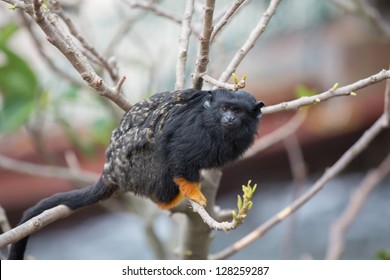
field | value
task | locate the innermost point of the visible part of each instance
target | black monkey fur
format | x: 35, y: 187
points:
x: 160, y: 147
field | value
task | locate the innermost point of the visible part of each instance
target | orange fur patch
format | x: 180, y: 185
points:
x: 174, y: 202
x: 191, y: 190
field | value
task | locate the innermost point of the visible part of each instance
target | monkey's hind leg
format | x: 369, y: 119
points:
x: 187, y: 189
x: 174, y: 202
x: 191, y: 190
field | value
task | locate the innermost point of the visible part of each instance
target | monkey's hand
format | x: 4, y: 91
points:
x: 187, y: 189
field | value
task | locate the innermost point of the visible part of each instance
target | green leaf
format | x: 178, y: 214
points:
x: 15, y: 115
x: 6, y: 32
x: 254, y: 189
x: 239, y: 202
x: 18, y: 86
x: 235, y: 78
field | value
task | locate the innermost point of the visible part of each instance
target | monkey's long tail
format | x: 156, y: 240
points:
x: 74, y: 200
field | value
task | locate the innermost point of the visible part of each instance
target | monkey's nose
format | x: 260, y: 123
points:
x: 230, y: 123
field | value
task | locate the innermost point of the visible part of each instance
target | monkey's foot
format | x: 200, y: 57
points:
x: 174, y: 202
x: 191, y: 190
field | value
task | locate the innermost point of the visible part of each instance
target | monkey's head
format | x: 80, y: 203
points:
x: 237, y: 112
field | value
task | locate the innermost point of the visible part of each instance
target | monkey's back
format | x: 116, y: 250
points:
x: 131, y: 160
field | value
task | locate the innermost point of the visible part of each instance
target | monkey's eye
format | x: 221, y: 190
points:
x: 224, y: 108
x: 237, y: 110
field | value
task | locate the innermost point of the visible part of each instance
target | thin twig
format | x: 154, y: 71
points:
x: 4, y: 224
x: 299, y: 173
x: 366, y: 9
x: 121, y: 33
x: 315, y: 99
x: 183, y: 45
x: 330, y: 173
x: 218, y: 84
x: 277, y: 135
x: 375, y: 17
x: 204, y: 48
x: 77, y: 34
x: 226, y: 17
x: 150, y: 6
x: 71, y: 160
x: 207, y: 219
x: 250, y: 42
x: 387, y: 102
x: 356, y: 203
x: 48, y: 171
x: 45, y: 56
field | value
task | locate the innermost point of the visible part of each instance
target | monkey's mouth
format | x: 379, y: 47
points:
x: 230, y: 125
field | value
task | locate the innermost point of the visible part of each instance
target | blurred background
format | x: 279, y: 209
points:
x: 48, y: 116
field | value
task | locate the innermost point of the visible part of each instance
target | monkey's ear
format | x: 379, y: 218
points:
x: 207, y: 102
x: 258, y: 107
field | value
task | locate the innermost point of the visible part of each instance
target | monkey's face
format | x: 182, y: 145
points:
x: 231, y: 116
x: 235, y: 113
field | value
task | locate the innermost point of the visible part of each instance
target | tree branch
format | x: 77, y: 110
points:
x: 76, y: 33
x: 34, y: 224
x: 367, y: 10
x: 250, y: 42
x: 183, y: 45
x: 387, y: 102
x: 374, y: 16
x: 356, y: 203
x: 315, y: 99
x: 48, y: 171
x: 150, y: 6
x: 204, y: 49
x: 299, y: 174
x: 45, y: 56
x: 277, y: 135
x: 226, y: 17
x: 4, y: 224
x: 240, y: 84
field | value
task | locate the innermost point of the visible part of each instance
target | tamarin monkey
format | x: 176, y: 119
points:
x: 160, y: 147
